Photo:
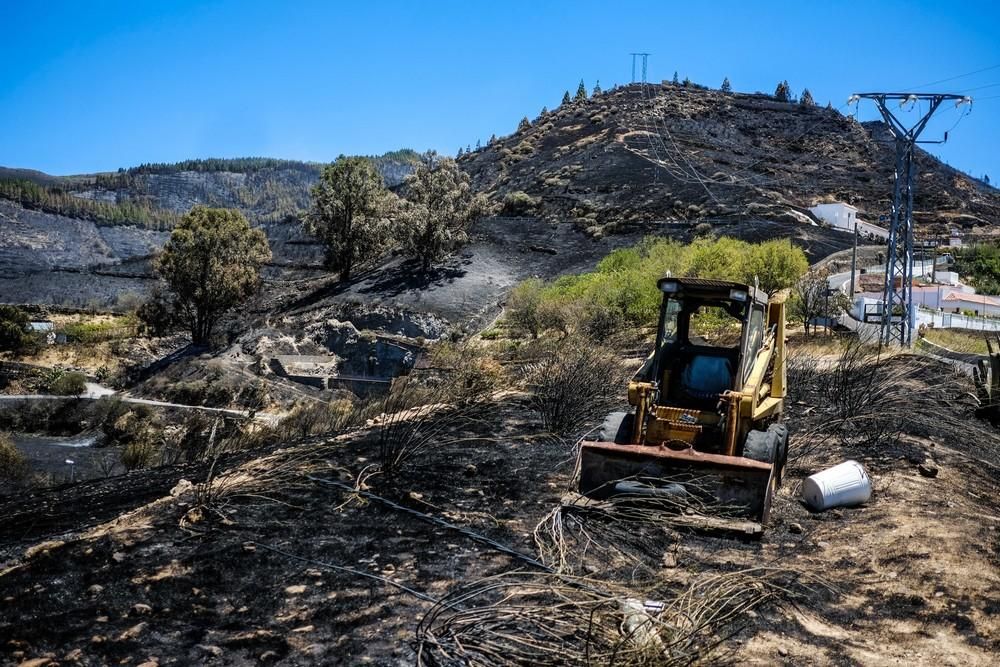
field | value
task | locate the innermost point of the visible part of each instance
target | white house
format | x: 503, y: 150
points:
x: 844, y: 217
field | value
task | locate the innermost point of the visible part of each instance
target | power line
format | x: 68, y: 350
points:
x: 990, y: 85
x: 952, y: 78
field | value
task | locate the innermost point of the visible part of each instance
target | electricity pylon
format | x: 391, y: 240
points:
x: 899, y: 314
x: 645, y: 56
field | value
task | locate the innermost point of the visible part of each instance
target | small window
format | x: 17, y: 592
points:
x: 670, y: 315
x: 755, y: 336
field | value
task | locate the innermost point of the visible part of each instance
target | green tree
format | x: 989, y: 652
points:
x: 581, y: 92
x: 776, y: 264
x: 460, y: 153
x: 211, y: 263
x: 676, y: 79
x: 807, y: 99
x: 15, y: 332
x: 726, y: 86
x: 493, y: 140
x: 566, y: 98
x: 544, y: 111
x: 597, y: 88
x: 783, y: 93
x: 349, y: 213
x: 687, y: 82
x: 525, y: 124
x: 440, y: 204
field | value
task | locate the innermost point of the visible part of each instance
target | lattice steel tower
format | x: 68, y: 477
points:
x: 645, y: 56
x: 898, y: 310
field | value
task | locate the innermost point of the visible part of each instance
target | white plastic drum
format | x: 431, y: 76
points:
x: 840, y: 486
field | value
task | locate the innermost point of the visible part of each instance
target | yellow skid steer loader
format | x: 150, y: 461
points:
x: 705, y: 433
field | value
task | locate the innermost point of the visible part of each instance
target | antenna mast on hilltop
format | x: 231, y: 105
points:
x: 645, y: 56
x: 899, y: 313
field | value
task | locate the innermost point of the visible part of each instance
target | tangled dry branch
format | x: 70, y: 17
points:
x: 542, y: 619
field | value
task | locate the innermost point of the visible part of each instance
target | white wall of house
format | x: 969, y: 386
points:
x: 838, y: 215
x: 844, y: 216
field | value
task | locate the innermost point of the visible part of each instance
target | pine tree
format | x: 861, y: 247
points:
x: 468, y: 148
x: 545, y: 110
x: 597, y: 88
x: 726, y: 86
x: 460, y: 152
x: 783, y: 92
x: 687, y: 82
x: 986, y: 179
x: 493, y: 139
x: 479, y: 145
x: 676, y: 79
x: 581, y: 92
x: 807, y: 99
x: 566, y: 99
x: 829, y: 106
x: 524, y: 124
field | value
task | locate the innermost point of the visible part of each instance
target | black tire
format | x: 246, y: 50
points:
x: 617, y: 428
x: 762, y: 446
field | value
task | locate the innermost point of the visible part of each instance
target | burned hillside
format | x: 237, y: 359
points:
x: 651, y: 153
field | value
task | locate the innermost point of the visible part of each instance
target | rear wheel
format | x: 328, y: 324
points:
x: 617, y: 428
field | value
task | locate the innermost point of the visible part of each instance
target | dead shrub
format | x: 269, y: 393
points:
x: 138, y: 454
x: 14, y: 468
x: 573, y: 383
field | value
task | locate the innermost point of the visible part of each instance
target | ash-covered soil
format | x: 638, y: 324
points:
x: 270, y: 566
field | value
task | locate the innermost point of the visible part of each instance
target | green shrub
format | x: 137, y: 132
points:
x: 15, y: 334
x: 72, y: 383
x: 519, y: 203
x: 622, y: 291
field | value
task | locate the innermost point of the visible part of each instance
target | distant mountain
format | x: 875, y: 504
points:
x: 660, y: 152
x: 267, y: 190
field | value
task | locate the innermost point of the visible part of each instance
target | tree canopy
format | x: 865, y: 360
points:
x: 349, y: 213
x: 566, y: 98
x: 15, y: 333
x: 581, y: 92
x: 440, y: 204
x: 211, y: 264
x: 807, y: 99
x: 726, y: 86
x: 783, y: 92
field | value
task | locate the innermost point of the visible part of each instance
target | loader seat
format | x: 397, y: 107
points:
x: 707, y: 376
x: 698, y: 374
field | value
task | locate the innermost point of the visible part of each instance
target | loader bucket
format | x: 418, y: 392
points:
x: 712, y: 485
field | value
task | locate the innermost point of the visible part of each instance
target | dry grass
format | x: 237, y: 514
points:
x: 958, y: 340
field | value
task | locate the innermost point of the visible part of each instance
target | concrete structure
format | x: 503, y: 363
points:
x: 844, y: 217
x: 44, y: 329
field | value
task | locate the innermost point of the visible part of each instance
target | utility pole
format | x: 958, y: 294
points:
x: 898, y: 312
x: 645, y: 57
x: 854, y: 263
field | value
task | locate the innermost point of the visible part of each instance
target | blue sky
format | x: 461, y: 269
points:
x: 91, y: 86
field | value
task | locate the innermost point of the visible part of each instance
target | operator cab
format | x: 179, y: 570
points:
x: 704, y: 325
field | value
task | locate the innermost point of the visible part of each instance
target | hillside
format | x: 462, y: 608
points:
x: 640, y: 153
x: 265, y: 189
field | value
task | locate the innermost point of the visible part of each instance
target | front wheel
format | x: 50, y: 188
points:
x: 617, y: 428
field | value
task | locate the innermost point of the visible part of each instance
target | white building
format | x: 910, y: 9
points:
x: 844, y: 217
